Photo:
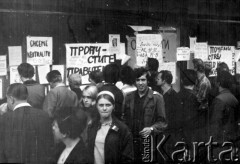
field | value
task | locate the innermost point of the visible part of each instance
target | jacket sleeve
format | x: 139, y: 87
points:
x: 127, y: 148
x: 50, y: 103
x: 160, y: 116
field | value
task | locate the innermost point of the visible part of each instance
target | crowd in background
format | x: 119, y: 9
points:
x: 109, y: 119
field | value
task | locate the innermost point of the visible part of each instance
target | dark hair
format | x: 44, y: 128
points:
x: 153, y: 64
x: 18, y: 91
x: 222, y: 67
x: 96, y: 76
x: 167, y: 76
x: 141, y: 71
x: 189, y: 77
x: 111, y: 73
x: 105, y: 96
x: 225, y: 79
x: 54, y: 76
x: 127, y: 75
x: 71, y: 121
x: 199, y: 65
x: 26, y: 70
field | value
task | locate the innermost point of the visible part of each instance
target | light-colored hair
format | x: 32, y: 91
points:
x: 92, y: 90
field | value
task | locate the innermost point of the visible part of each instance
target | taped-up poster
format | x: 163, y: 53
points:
x: 218, y: 54
x: 84, y: 58
x: 148, y: 45
x: 14, y: 75
x: 131, y: 51
x: 201, y: 51
x: 39, y: 50
x: 169, y: 47
x: 183, y: 54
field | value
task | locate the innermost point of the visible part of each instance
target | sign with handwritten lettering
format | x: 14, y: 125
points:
x: 84, y: 58
x: 39, y: 50
x: 201, y: 50
x: 183, y: 54
x: 218, y: 54
x: 169, y: 47
x: 148, y: 45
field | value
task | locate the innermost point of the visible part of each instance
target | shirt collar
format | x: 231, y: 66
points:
x: 60, y: 85
x: 21, y: 105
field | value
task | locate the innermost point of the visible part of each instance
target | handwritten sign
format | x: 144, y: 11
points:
x: 84, y: 58
x: 183, y: 54
x: 39, y: 50
x: 148, y: 45
x: 169, y: 47
x: 201, y: 51
x: 218, y: 54
x: 14, y: 75
x: 3, y: 65
x: 15, y: 55
x: 170, y: 66
x: 131, y: 51
x: 42, y: 73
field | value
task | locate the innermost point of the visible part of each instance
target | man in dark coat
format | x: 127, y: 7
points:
x: 25, y: 132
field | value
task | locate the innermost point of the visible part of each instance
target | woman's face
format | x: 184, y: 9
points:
x: 58, y: 136
x: 105, y: 108
x: 87, y: 99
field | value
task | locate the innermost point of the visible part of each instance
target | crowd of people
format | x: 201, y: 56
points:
x: 120, y: 117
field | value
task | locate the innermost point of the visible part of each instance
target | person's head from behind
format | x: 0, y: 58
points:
x: 225, y: 79
x: 75, y: 80
x: 16, y: 93
x: 26, y: 71
x: 54, y: 77
x: 152, y: 64
x: 127, y: 75
x: 141, y: 79
x: 199, y: 66
x: 111, y: 73
x: 105, y: 104
x: 68, y: 124
x: 164, y: 77
x: 188, y: 77
x: 89, y: 96
x: 222, y: 67
x: 95, y: 77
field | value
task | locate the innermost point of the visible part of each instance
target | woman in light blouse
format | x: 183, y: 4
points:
x: 109, y: 140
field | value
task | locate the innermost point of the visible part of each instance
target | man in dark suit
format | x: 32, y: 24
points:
x: 25, y: 132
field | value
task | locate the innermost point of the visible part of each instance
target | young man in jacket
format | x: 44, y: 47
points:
x: 145, y: 113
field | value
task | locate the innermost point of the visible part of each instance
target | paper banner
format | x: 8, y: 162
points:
x: 84, y: 58
x: 3, y: 65
x: 148, y: 45
x: 15, y: 55
x: 183, y: 54
x: 42, y: 73
x: 39, y: 50
x: 14, y: 76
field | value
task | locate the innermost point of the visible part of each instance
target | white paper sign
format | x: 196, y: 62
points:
x: 170, y: 66
x: 192, y: 41
x: 148, y: 45
x: 15, y: 55
x: 201, y: 51
x: 14, y: 76
x: 39, y: 50
x: 218, y: 54
x: 183, y: 54
x: 114, y: 43
x: 169, y: 47
x: 42, y: 73
x: 3, y: 65
x: 131, y: 51
x: 84, y: 58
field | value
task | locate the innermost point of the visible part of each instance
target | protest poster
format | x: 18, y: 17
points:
x: 42, y: 73
x: 3, y: 65
x: 15, y: 55
x: 183, y: 54
x: 148, y: 45
x: 14, y: 75
x: 39, y: 50
x: 84, y: 58
x: 170, y: 66
x: 169, y: 47
x: 218, y: 54
x: 114, y: 44
x: 131, y: 51
x: 201, y: 51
